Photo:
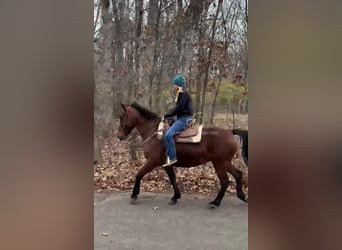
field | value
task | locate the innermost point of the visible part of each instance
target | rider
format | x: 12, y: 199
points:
x: 183, y: 111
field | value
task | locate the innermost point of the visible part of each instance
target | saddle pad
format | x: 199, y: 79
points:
x: 160, y: 130
x: 194, y: 139
x: 189, y: 132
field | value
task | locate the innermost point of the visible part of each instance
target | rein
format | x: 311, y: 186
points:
x: 151, y: 136
x: 148, y: 139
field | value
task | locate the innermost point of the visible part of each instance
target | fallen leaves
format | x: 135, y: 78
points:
x: 117, y: 172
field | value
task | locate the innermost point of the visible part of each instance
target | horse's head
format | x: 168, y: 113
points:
x: 127, y: 122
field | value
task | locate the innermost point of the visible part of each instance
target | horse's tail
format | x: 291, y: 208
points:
x: 244, y: 137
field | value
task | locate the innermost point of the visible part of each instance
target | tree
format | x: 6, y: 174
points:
x: 211, y: 45
x: 103, y: 103
x: 141, y: 45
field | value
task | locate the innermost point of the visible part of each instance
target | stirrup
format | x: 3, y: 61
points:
x: 169, y: 162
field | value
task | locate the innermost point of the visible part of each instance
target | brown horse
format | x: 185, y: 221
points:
x: 218, y: 145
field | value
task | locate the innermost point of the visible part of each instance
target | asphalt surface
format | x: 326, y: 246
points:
x: 153, y: 224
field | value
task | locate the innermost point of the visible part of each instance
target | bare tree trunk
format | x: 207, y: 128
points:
x: 234, y: 112
x: 200, y: 66
x: 191, y: 21
x: 246, y: 46
x: 131, y: 78
x: 137, y: 55
x: 138, y: 69
x: 206, y: 74
x: 103, y: 93
x: 198, y: 92
x: 153, y: 22
x: 246, y: 10
x: 97, y: 15
x: 97, y: 150
x: 180, y: 33
x: 213, y: 106
x: 191, y: 81
x: 159, y: 85
x: 118, y: 50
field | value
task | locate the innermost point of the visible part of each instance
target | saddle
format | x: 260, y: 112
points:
x: 191, y: 134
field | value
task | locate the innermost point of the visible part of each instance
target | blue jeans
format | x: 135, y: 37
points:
x: 169, y: 142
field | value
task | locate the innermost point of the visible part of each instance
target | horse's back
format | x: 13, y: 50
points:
x: 216, y: 144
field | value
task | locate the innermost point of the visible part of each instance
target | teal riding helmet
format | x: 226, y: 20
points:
x: 179, y: 80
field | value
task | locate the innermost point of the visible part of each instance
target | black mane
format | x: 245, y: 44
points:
x: 145, y: 112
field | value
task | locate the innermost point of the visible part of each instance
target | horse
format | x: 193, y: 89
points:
x: 217, y: 145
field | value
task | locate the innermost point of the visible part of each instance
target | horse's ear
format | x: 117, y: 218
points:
x: 123, y: 107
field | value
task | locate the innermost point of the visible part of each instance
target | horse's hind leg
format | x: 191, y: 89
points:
x: 221, y: 172
x: 172, y: 176
x: 238, y: 178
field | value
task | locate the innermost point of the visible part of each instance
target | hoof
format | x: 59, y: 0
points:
x: 213, y: 205
x: 134, y: 200
x: 172, y: 202
x: 242, y: 197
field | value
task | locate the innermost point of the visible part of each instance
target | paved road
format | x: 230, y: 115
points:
x: 153, y: 224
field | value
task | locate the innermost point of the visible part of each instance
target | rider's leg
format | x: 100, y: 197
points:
x: 169, y: 142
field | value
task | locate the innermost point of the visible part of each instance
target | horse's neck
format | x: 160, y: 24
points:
x: 146, y: 128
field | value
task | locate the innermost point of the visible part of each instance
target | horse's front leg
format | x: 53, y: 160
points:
x: 148, y: 166
x: 172, y: 176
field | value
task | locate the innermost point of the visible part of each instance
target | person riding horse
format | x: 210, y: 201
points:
x: 183, y: 111
x: 217, y: 145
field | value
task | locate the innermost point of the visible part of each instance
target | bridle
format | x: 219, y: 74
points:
x: 148, y: 139
x: 124, y: 123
